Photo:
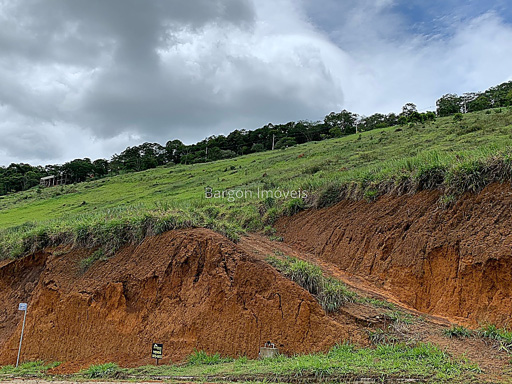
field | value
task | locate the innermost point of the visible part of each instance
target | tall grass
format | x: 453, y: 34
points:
x: 330, y: 293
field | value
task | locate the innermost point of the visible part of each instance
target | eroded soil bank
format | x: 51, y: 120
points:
x: 189, y: 289
x: 454, y: 262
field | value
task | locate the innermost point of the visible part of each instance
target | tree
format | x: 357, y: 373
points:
x: 479, y: 104
x: 174, y: 150
x: 257, y: 147
x: 286, y: 142
x: 448, y: 104
x: 101, y: 167
x: 342, y: 123
x: 78, y: 170
x: 408, y: 109
x: 402, y: 120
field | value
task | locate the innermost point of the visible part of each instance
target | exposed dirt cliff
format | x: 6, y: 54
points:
x: 454, y: 262
x: 189, y: 289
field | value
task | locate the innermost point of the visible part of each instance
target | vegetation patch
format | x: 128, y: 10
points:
x: 32, y: 368
x: 458, y: 331
x: 502, y: 336
x: 330, y: 293
x: 344, y: 362
x: 101, y: 371
x: 202, y: 358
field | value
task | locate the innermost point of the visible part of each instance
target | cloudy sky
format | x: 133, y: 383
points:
x: 87, y: 78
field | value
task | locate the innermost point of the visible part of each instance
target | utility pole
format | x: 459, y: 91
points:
x: 273, y: 140
x: 21, y: 307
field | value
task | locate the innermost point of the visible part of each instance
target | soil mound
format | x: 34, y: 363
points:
x: 454, y: 262
x: 189, y: 289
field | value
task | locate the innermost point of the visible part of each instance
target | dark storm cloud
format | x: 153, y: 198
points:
x: 155, y: 69
x: 86, y: 78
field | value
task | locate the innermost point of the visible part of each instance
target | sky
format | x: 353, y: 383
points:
x: 88, y: 78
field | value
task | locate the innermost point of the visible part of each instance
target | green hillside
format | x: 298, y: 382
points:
x: 110, y: 212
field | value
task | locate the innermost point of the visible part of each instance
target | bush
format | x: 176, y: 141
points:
x: 495, y: 333
x: 446, y: 201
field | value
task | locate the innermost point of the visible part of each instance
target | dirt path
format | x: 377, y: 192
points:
x: 493, y: 362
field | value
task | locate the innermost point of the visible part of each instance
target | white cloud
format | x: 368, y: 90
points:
x: 423, y: 68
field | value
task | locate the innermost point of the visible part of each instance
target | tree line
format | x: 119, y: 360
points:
x: 494, y: 97
x: 20, y: 177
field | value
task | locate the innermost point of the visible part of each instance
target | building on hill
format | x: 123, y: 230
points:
x: 52, y: 181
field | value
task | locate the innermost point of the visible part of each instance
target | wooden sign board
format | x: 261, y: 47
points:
x: 157, y: 351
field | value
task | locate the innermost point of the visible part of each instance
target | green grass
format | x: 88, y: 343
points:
x: 423, y: 361
x: 202, y: 358
x: 101, y: 371
x: 33, y: 368
x: 330, y: 293
x: 502, y: 336
x: 108, y: 213
x: 458, y: 331
x: 401, y: 317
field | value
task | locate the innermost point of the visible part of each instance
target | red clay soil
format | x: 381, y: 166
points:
x: 454, y: 262
x: 189, y: 289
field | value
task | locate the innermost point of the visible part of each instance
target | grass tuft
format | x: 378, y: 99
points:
x: 202, y: 358
x: 330, y: 293
x: 101, y: 371
x: 457, y: 331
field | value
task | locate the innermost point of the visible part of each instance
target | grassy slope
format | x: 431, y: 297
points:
x: 178, y: 191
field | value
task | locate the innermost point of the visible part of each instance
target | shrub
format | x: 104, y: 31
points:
x: 493, y: 332
x: 379, y: 336
x: 446, y: 201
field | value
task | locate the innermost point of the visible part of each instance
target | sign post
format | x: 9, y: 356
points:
x: 21, y: 307
x: 157, y: 351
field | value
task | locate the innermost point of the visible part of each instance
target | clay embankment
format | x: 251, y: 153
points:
x: 454, y: 262
x: 189, y: 289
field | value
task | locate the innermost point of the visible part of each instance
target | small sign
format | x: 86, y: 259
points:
x: 22, y: 307
x: 157, y: 351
